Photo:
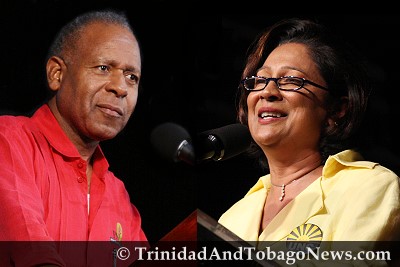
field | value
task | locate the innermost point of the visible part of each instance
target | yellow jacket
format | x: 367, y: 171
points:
x: 353, y: 200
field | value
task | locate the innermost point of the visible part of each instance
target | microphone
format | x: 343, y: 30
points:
x: 174, y: 143
x: 222, y: 143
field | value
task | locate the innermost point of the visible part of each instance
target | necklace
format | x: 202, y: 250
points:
x: 283, y: 188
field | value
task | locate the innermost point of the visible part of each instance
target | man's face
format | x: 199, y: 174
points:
x: 99, y: 82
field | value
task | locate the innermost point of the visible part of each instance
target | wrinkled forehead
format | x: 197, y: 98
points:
x: 99, y: 39
x: 102, y: 32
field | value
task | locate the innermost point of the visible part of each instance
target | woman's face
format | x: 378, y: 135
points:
x: 291, y: 120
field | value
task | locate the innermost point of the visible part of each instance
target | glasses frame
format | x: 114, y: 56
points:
x: 267, y: 80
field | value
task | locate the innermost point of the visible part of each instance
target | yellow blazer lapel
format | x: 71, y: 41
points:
x: 248, y: 225
x: 244, y: 217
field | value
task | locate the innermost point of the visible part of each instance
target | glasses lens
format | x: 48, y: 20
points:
x: 290, y: 83
x: 254, y: 83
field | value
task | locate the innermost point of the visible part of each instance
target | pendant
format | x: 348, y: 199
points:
x: 282, y: 193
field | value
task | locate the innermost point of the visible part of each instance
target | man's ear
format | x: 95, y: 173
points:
x: 54, y: 73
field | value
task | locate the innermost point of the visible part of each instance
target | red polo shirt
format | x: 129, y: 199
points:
x: 44, y: 192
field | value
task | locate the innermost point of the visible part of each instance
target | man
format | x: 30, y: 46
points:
x: 55, y: 184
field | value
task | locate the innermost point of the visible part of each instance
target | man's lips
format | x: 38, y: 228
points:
x: 111, y: 110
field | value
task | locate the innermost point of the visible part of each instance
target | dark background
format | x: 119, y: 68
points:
x: 191, y: 68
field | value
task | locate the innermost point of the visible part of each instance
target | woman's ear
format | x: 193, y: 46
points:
x: 343, y: 107
x: 338, y: 112
x: 54, y: 72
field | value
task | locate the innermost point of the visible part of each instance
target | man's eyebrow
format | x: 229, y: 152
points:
x: 115, y: 63
x: 132, y: 69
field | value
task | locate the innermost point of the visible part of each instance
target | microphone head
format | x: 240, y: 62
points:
x: 228, y: 141
x: 172, y: 142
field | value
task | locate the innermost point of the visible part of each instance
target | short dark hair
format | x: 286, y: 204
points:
x: 70, y: 33
x: 343, y: 69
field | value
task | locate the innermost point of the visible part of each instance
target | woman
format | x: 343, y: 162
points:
x: 303, y: 97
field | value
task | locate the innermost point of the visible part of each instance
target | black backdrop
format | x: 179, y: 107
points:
x: 191, y: 67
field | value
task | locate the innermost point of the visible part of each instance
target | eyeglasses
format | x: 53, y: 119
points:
x: 286, y: 83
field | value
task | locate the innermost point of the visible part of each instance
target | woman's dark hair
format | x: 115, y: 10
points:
x: 342, y: 68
